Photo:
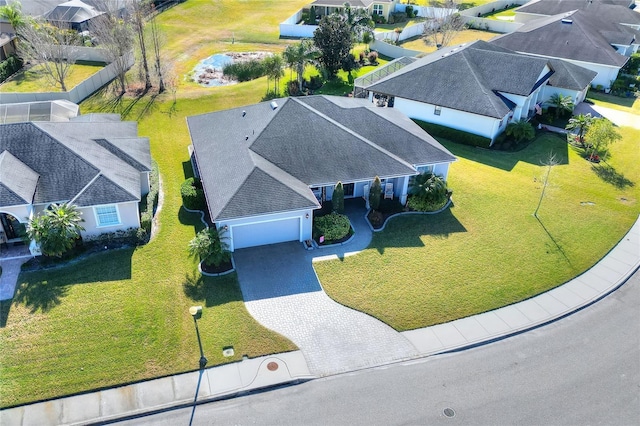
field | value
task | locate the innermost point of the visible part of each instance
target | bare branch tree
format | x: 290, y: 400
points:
x: 157, y: 41
x: 444, y: 23
x: 138, y: 11
x: 53, y: 47
x: 550, y: 162
x: 115, y: 37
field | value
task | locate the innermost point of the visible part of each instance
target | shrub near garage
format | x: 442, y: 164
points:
x: 333, y: 227
x: 192, y: 194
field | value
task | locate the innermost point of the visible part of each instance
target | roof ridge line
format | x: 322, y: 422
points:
x: 351, y: 132
x: 261, y: 158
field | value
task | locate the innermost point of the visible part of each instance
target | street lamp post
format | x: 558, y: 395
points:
x: 196, y: 313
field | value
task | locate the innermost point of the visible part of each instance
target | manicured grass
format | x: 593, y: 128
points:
x: 466, y: 36
x: 509, y: 13
x: 631, y: 104
x: 34, y: 79
x: 489, y: 251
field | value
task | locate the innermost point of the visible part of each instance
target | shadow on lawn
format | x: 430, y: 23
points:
x: 213, y: 291
x: 610, y: 175
x: 537, y: 152
x: 5, y: 307
x: 406, y: 230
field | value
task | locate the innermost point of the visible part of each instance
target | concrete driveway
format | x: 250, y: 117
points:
x: 281, y: 291
x: 619, y: 118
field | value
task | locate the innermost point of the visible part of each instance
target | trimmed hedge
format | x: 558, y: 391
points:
x: 333, y: 226
x: 192, y: 194
x: 454, y: 135
x: 10, y: 66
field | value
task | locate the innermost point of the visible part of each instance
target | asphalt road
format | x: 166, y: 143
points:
x: 584, y: 369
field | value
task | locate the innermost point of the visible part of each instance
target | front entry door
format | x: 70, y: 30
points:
x: 348, y: 189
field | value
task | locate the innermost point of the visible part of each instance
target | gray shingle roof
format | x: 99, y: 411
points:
x: 554, y: 7
x: 466, y: 78
x: 70, y: 162
x: 582, y: 36
x: 17, y: 180
x: 570, y: 76
x: 257, y: 160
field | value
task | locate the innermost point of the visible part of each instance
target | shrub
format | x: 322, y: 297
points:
x: 378, y: 19
x: 429, y: 187
x: 315, y: 82
x: 333, y: 226
x: 409, y: 11
x: 422, y: 205
x: 361, y: 57
x: 245, y: 71
x: 338, y: 198
x: 210, y: 247
x: 10, y: 66
x: 192, y: 194
x: 373, y: 57
x: 374, y: 193
x: 454, y: 135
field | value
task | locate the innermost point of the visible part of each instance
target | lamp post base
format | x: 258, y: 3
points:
x: 203, y: 362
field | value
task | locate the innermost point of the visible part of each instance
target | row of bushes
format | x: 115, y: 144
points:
x: 193, y: 194
x: 454, y: 135
x: 10, y: 66
x: 150, y: 201
x: 245, y: 71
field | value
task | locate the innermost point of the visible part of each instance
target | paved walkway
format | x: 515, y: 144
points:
x: 281, y: 291
x: 620, y: 118
x: 9, y: 277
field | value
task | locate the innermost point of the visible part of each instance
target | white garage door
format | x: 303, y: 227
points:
x: 258, y: 234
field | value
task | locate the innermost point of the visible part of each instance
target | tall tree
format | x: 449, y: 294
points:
x: 375, y: 193
x: 298, y: 56
x: 550, y: 162
x: 444, y: 23
x: 359, y: 21
x: 138, y: 11
x: 562, y: 104
x: 333, y: 40
x: 115, y: 37
x: 54, y: 48
x: 157, y: 40
x: 581, y: 124
x: 601, y: 134
x: 274, y: 67
x: 56, y: 229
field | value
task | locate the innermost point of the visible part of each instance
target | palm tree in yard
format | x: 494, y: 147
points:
x: 298, y: 56
x: 520, y: 131
x: 56, y: 229
x: 581, y: 124
x: 429, y: 187
x: 210, y: 247
x: 274, y: 67
x: 561, y: 103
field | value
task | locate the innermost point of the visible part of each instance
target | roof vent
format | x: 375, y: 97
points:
x: 244, y: 113
x: 274, y: 104
x: 567, y: 21
x: 246, y: 138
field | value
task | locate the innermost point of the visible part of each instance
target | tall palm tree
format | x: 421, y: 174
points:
x: 580, y: 123
x: 56, y: 229
x: 561, y: 103
x: 300, y: 55
x: 274, y: 67
x: 12, y: 13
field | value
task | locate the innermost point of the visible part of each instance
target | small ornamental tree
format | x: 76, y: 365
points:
x: 581, y: 124
x: 520, y: 131
x: 56, y: 230
x: 209, y: 247
x: 563, y: 104
x: 375, y: 193
x: 337, y: 199
x: 601, y: 134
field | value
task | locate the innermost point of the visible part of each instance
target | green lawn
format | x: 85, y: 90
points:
x: 631, y: 104
x: 466, y: 36
x: 489, y: 251
x: 34, y: 79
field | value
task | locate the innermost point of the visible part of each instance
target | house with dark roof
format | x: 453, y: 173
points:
x: 375, y: 7
x: 537, y: 9
x: 73, y: 14
x: 477, y: 87
x: 100, y: 165
x: 266, y: 167
x: 600, y: 37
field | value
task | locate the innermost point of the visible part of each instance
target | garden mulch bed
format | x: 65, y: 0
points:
x: 212, y: 269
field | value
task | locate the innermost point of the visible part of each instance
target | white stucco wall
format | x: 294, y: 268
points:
x: 576, y: 96
x: 129, y: 218
x: 472, y: 123
x: 305, y: 217
x: 19, y: 212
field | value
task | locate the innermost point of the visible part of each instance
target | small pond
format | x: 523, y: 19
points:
x: 208, y: 72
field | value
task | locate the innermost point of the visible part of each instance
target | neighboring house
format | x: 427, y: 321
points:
x: 478, y: 87
x: 96, y: 162
x: 374, y: 7
x: 266, y: 167
x: 7, y: 40
x: 74, y: 14
x: 537, y: 9
x: 600, y: 38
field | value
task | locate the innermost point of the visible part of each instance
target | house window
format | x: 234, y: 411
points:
x: 437, y: 110
x: 377, y: 9
x: 107, y: 215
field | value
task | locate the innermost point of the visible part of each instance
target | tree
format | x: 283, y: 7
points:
x: 601, y: 134
x: 12, y: 13
x: 298, y: 56
x: 431, y: 188
x: 334, y: 42
x: 54, y: 48
x: 138, y: 11
x: 157, y: 40
x: 337, y: 199
x: 375, y: 192
x: 550, y: 163
x: 580, y: 123
x: 444, y: 23
x: 359, y: 21
x: 520, y: 131
x: 115, y: 37
x: 209, y: 247
x: 274, y: 68
x: 56, y: 229
x: 562, y: 104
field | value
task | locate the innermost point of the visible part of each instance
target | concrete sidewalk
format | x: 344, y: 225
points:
x: 241, y: 377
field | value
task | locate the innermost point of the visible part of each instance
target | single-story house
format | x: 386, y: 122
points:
x: 537, y: 9
x: 95, y: 162
x: 266, y: 167
x: 374, y: 7
x: 600, y: 38
x: 74, y: 13
x: 477, y: 87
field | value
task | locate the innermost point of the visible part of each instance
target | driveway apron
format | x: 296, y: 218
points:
x: 281, y: 291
